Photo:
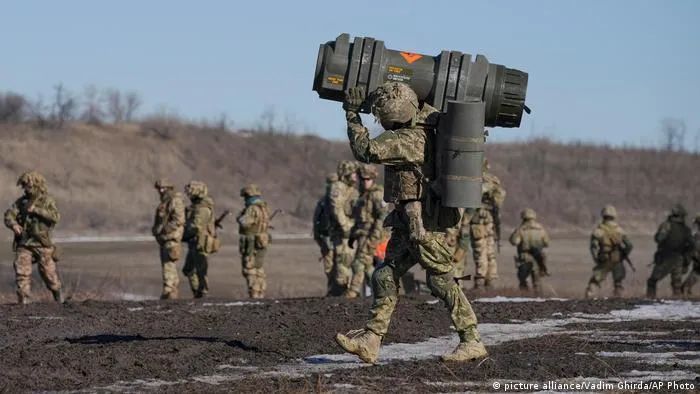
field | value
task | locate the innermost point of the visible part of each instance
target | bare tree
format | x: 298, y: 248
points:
x: 63, y: 107
x: 132, y: 102
x: 115, y: 105
x: 673, y: 134
x: 93, y: 111
x: 12, y: 107
x: 266, y: 123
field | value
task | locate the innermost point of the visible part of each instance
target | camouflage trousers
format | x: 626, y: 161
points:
x: 170, y: 253
x: 484, y: 251
x: 363, y: 263
x: 43, y: 257
x: 601, y: 270
x: 195, y: 269
x: 435, y: 256
x: 528, y: 267
x: 692, y: 278
x: 343, y: 256
x: 252, y: 261
x: 324, y: 243
x: 664, y: 265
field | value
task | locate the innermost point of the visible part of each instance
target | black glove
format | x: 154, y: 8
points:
x: 354, y: 98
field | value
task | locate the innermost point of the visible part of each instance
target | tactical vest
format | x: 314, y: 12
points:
x: 611, y: 237
x: 410, y: 182
x: 260, y: 226
x: 532, y: 237
x: 36, y: 229
x: 678, y: 238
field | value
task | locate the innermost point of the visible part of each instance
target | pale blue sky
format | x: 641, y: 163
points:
x: 604, y: 71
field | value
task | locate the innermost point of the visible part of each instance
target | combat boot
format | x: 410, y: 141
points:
x: 466, y: 351
x: 617, y: 291
x: 351, y: 294
x: 58, y: 296
x: 589, y: 292
x: 651, y: 289
x: 22, y: 299
x: 363, y: 343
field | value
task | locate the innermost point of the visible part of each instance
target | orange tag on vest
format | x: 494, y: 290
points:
x: 410, y: 57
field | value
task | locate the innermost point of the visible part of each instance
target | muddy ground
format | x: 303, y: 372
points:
x: 218, y: 345
x: 113, y: 336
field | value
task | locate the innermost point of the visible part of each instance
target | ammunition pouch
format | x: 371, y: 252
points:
x: 262, y: 240
x: 208, y: 244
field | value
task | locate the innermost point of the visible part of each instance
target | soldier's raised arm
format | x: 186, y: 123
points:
x: 47, y: 210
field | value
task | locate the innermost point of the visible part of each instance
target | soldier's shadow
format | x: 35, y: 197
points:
x: 107, y: 339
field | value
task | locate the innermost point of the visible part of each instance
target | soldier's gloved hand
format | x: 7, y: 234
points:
x: 354, y: 97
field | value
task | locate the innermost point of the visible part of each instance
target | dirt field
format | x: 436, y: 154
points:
x: 222, y: 344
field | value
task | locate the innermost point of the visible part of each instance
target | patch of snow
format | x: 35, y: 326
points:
x: 45, y: 318
x: 235, y: 303
x: 136, y: 309
x: 518, y: 299
x: 432, y: 302
x: 662, y: 358
x: 133, y: 297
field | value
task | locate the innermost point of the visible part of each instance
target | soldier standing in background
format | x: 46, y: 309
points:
x: 200, y: 235
x: 342, y: 198
x: 254, y: 222
x: 418, y: 223
x: 674, y: 242
x: 530, y: 239
x: 321, y: 230
x: 32, y: 218
x: 459, y: 236
x: 692, y: 264
x: 609, y: 247
x: 369, y: 212
x: 168, y: 227
x: 485, y: 230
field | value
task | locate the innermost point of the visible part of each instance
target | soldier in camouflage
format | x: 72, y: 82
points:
x: 32, y: 218
x: 692, y: 264
x: 418, y: 221
x: 674, y: 240
x: 168, y: 227
x: 369, y: 212
x: 342, y: 198
x: 459, y: 237
x: 609, y: 247
x: 200, y: 236
x: 484, y: 230
x: 530, y: 239
x: 321, y: 231
x: 254, y: 222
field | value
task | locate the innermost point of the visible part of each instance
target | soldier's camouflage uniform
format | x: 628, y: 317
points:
x: 342, y: 198
x: 483, y: 233
x: 35, y: 215
x: 369, y: 212
x: 674, y: 241
x: 418, y: 224
x: 530, y: 239
x: 458, y: 237
x: 321, y: 230
x: 200, y: 236
x: 693, y: 263
x: 254, y: 239
x: 168, y: 228
x: 608, y: 246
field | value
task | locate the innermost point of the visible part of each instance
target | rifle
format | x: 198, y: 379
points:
x: 274, y: 213
x: 629, y: 262
x: 220, y: 219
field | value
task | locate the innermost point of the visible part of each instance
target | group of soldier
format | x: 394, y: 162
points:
x: 353, y: 219
x: 32, y: 217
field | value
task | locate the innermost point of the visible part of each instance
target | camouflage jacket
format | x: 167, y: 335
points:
x: 609, y: 242
x: 492, y: 197
x: 199, y: 220
x: 341, y: 199
x: 674, y: 237
x: 407, y: 168
x: 36, y: 225
x: 254, y: 219
x: 529, y: 237
x: 169, y: 221
x: 369, y: 212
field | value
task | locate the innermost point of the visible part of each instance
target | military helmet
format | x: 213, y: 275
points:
x: 332, y: 177
x: 528, y: 214
x: 163, y: 183
x: 196, y: 189
x: 678, y: 210
x: 394, y: 102
x: 346, y: 168
x: 609, y: 212
x: 367, y: 171
x: 251, y: 190
x: 31, y: 178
